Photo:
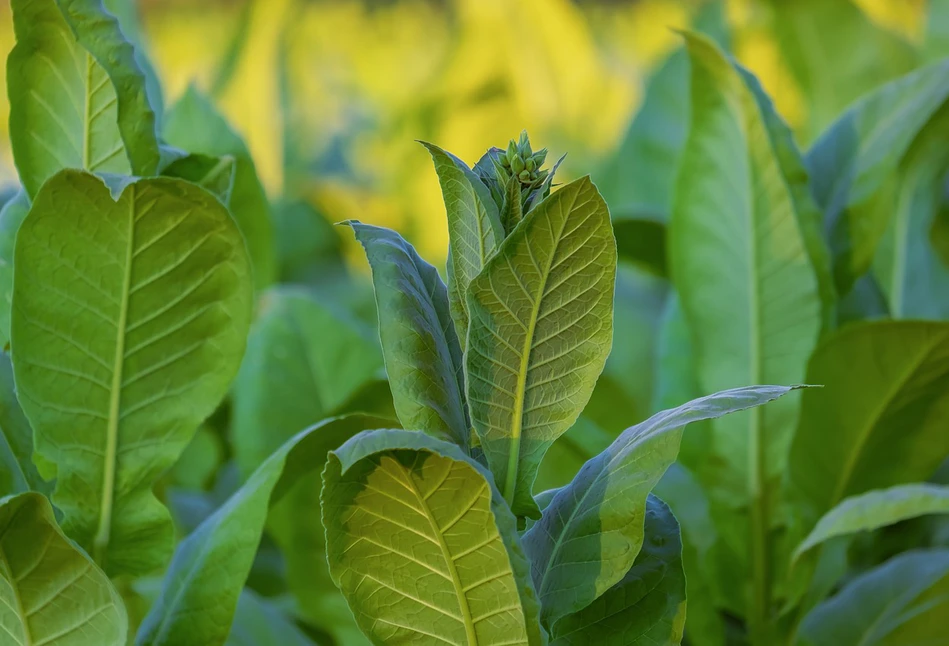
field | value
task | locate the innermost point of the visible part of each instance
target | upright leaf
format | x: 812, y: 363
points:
x: 592, y: 530
x: 837, y: 54
x: 474, y: 229
x: 212, y: 173
x: 11, y: 217
x: 130, y: 316
x: 257, y: 622
x: 904, y: 601
x: 855, y: 166
x: 880, y: 418
x: 422, y: 356
x: 541, y: 330
x: 647, y: 606
x: 17, y: 472
x: 52, y: 594
x: 203, y: 584
x: 194, y: 125
x: 423, y: 546
x: 876, y: 509
x: 77, y: 95
x: 304, y: 361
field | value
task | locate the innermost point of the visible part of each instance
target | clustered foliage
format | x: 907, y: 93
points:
x: 142, y: 326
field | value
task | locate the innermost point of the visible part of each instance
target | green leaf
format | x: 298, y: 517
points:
x: 904, y: 601
x: 643, y: 243
x: 304, y: 360
x: 258, y: 622
x: 857, y: 167
x: 213, y: 174
x: 836, y: 54
x: 646, y: 607
x: 194, y: 125
x: 201, y: 588
x: 77, y: 95
x: 51, y: 592
x: 592, y: 530
x: 11, y: 217
x: 880, y: 418
x: 876, y: 509
x: 199, y: 461
x: 423, y: 546
x: 474, y: 229
x: 130, y: 316
x: 541, y: 330
x: 422, y: 356
x: 17, y: 472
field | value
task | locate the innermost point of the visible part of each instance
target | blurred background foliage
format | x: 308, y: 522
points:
x: 331, y: 94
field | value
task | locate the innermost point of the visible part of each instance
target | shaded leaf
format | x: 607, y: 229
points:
x: 11, y: 217
x: 17, y: 472
x: 213, y: 174
x: 257, y: 622
x: 130, y: 316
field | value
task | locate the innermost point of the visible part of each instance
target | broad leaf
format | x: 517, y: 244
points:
x: 541, y: 330
x: 880, y: 418
x: 304, y: 361
x: 474, y: 229
x: 194, y: 125
x: 201, y: 588
x: 423, y: 546
x: 213, y: 174
x: 17, y: 472
x: 876, y: 509
x: 592, y: 530
x: 130, y: 316
x: 646, y: 607
x: 902, y: 602
x: 422, y: 356
x: 855, y: 166
x: 51, y: 592
x: 77, y: 95
x: 837, y: 54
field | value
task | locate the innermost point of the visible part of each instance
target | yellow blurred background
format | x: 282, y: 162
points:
x: 330, y: 95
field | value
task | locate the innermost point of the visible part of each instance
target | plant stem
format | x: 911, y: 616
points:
x: 760, y: 612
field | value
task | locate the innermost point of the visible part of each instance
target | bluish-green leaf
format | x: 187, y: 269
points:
x: 422, y: 356
x: 258, y: 622
x: 51, y: 593
x: 592, y: 530
x: 203, y: 583
x: 130, y: 316
x: 902, y: 602
x: 423, y: 546
x: 11, y: 217
x: 541, y: 330
x: 647, y: 606
x: 17, y: 472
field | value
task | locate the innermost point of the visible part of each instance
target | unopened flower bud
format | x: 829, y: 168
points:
x: 517, y: 165
x: 530, y: 164
x: 524, y: 176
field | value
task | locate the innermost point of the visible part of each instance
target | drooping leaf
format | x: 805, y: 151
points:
x: 423, y: 546
x: 11, y: 217
x: 17, y: 472
x: 304, y: 360
x: 422, y: 355
x: 904, y: 601
x: 77, y: 95
x: 257, y: 622
x: 541, y: 330
x: 836, y: 54
x: 876, y: 509
x: 201, y: 588
x: 855, y: 166
x: 214, y: 174
x: 880, y: 418
x: 194, y: 125
x: 744, y: 266
x: 647, y: 606
x: 592, y: 530
x: 130, y: 316
x: 474, y: 229
x: 52, y: 594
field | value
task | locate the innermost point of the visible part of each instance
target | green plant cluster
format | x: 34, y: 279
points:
x: 212, y: 434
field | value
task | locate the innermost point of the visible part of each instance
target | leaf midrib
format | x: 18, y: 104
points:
x: 510, y: 481
x: 101, y: 540
x: 446, y: 554
x: 7, y: 570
